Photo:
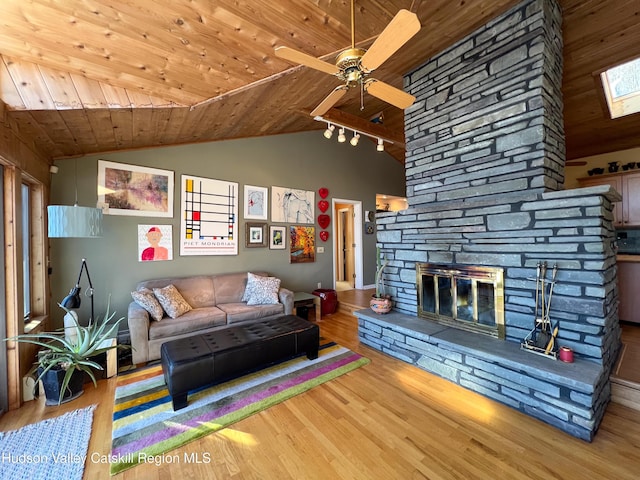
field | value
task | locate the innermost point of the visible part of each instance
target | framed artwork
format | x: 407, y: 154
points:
x: 255, y: 202
x: 132, y: 190
x: 255, y: 234
x: 209, y: 217
x: 155, y: 243
x: 292, y: 206
x: 302, y: 242
x: 277, y: 237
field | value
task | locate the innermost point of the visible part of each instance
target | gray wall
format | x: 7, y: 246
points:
x: 306, y: 161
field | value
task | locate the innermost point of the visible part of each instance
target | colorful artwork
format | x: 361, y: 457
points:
x: 133, y: 190
x: 155, y: 243
x: 209, y: 224
x: 255, y: 202
x: 255, y: 235
x: 303, y: 244
x: 292, y: 206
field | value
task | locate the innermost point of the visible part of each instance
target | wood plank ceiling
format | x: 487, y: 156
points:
x: 88, y: 76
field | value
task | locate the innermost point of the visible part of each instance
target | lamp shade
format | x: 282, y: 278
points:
x: 74, y: 221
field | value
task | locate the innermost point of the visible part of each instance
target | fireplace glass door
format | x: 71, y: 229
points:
x: 471, y: 298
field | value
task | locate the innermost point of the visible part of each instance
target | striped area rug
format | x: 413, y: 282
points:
x: 145, y: 425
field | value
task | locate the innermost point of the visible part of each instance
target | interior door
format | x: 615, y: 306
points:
x: 349, y: 246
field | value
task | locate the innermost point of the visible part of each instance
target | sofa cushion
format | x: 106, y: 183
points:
x: 172, y: 302
x: 198, y: 290
x: 241, y: 312
x: 261, y: 290
x: 147, y: 300
x: 192, y: 321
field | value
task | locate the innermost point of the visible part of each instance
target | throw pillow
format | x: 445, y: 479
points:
x: 172, y: 302
x: 262, y: 290
x: 147, y: 300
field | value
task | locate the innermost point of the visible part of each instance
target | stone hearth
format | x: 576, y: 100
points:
x: 485, y: 175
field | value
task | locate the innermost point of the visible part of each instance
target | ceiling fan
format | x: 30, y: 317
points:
x: 354, y: 65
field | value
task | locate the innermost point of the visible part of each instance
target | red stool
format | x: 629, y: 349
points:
x: 328, y: 300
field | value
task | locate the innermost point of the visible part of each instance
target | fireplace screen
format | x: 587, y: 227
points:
x: 467, y: 297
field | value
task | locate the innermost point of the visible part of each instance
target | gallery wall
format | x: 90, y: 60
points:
x: 304, y: 161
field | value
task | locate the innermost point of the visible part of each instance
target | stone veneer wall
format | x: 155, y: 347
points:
x: 485, y: 172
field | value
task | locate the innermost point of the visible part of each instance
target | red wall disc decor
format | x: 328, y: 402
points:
x: 324, y: 220
x: 323, y: 205
x: 323, y: 192
x: 324, y: 235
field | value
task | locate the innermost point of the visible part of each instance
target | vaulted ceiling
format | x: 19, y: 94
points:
x: 87, y: 76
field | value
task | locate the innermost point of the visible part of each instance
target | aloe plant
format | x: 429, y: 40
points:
x: 380, y: 266
x: 72, y: 355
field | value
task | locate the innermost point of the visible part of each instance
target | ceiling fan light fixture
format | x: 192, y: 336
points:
x: 380, y: 146
x: 328, y: 133
x: 355, y: 139
x: 341, y: 136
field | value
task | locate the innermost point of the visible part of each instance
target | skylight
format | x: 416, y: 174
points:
x: 622, y: 88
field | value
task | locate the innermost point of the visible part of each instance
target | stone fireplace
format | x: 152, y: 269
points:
x: 485, y: 176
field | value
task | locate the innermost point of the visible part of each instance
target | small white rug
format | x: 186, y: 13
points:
x: 55, y: 448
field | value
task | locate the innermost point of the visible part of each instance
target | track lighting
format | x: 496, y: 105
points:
x: 355, y: 140
x: 329, y: 131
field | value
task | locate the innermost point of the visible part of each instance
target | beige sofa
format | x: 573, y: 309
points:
x: 216, y: 301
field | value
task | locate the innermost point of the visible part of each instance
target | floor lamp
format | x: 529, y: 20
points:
x: 73, y: 299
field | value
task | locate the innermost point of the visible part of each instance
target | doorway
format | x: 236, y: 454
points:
x: 347, y: 251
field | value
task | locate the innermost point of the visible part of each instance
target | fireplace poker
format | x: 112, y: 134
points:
x: 535, y: 312
x: 554, y: 273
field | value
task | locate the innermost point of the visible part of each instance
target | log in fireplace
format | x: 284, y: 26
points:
x: 462, y: 296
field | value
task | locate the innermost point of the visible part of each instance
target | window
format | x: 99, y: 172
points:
x: 622, y: 88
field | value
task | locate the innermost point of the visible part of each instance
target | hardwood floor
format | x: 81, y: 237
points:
x: 387, y: 419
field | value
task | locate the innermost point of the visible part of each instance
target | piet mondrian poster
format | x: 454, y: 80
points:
x: 209, y: 223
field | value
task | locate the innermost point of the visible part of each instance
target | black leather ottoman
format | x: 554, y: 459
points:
x: 199, y: 360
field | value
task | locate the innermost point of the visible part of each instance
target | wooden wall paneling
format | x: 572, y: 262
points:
x: 171, y: 133
x: 78, y: 122
x: 116, y: 97
x: 61, y: 89
x: 102, y: 129
x: 33, y: 88
x: 13, y: 281
x: 53, y: 126
x: 160, y: 118
x: 9, y: 93
x: 122, y: 121
x: 89, y: 91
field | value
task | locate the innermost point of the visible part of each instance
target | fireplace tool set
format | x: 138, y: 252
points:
x: 542, y: 339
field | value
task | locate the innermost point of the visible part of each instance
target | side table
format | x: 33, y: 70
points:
x: 303, y: 299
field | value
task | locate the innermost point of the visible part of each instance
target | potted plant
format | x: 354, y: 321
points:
x: 380, y: 302
x: 64, y: 360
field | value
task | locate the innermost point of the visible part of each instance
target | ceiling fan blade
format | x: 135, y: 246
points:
x: 401, y: 28
x: 329, y: 101
x: 306, y: 60
x: 389, y: 94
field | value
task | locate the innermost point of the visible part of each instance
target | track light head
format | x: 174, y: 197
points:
x: 329, y: 131
x: 341, y: 136
x: 354, y: 140
x: 380, y: 146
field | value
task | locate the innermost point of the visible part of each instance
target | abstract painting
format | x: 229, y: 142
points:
x: 209, y: 219
x: 255, y: 202
x: 302, y: 240
x: 133, y: 190
x: 292, y: 206
x: 277, y: 237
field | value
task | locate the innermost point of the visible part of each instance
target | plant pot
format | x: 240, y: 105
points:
x: 52, y: 381
x: 380, y: 304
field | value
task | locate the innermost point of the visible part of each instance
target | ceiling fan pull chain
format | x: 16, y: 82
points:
x: 361, y: 96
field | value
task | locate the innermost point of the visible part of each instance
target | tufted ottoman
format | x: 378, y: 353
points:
x: 200, y: 360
